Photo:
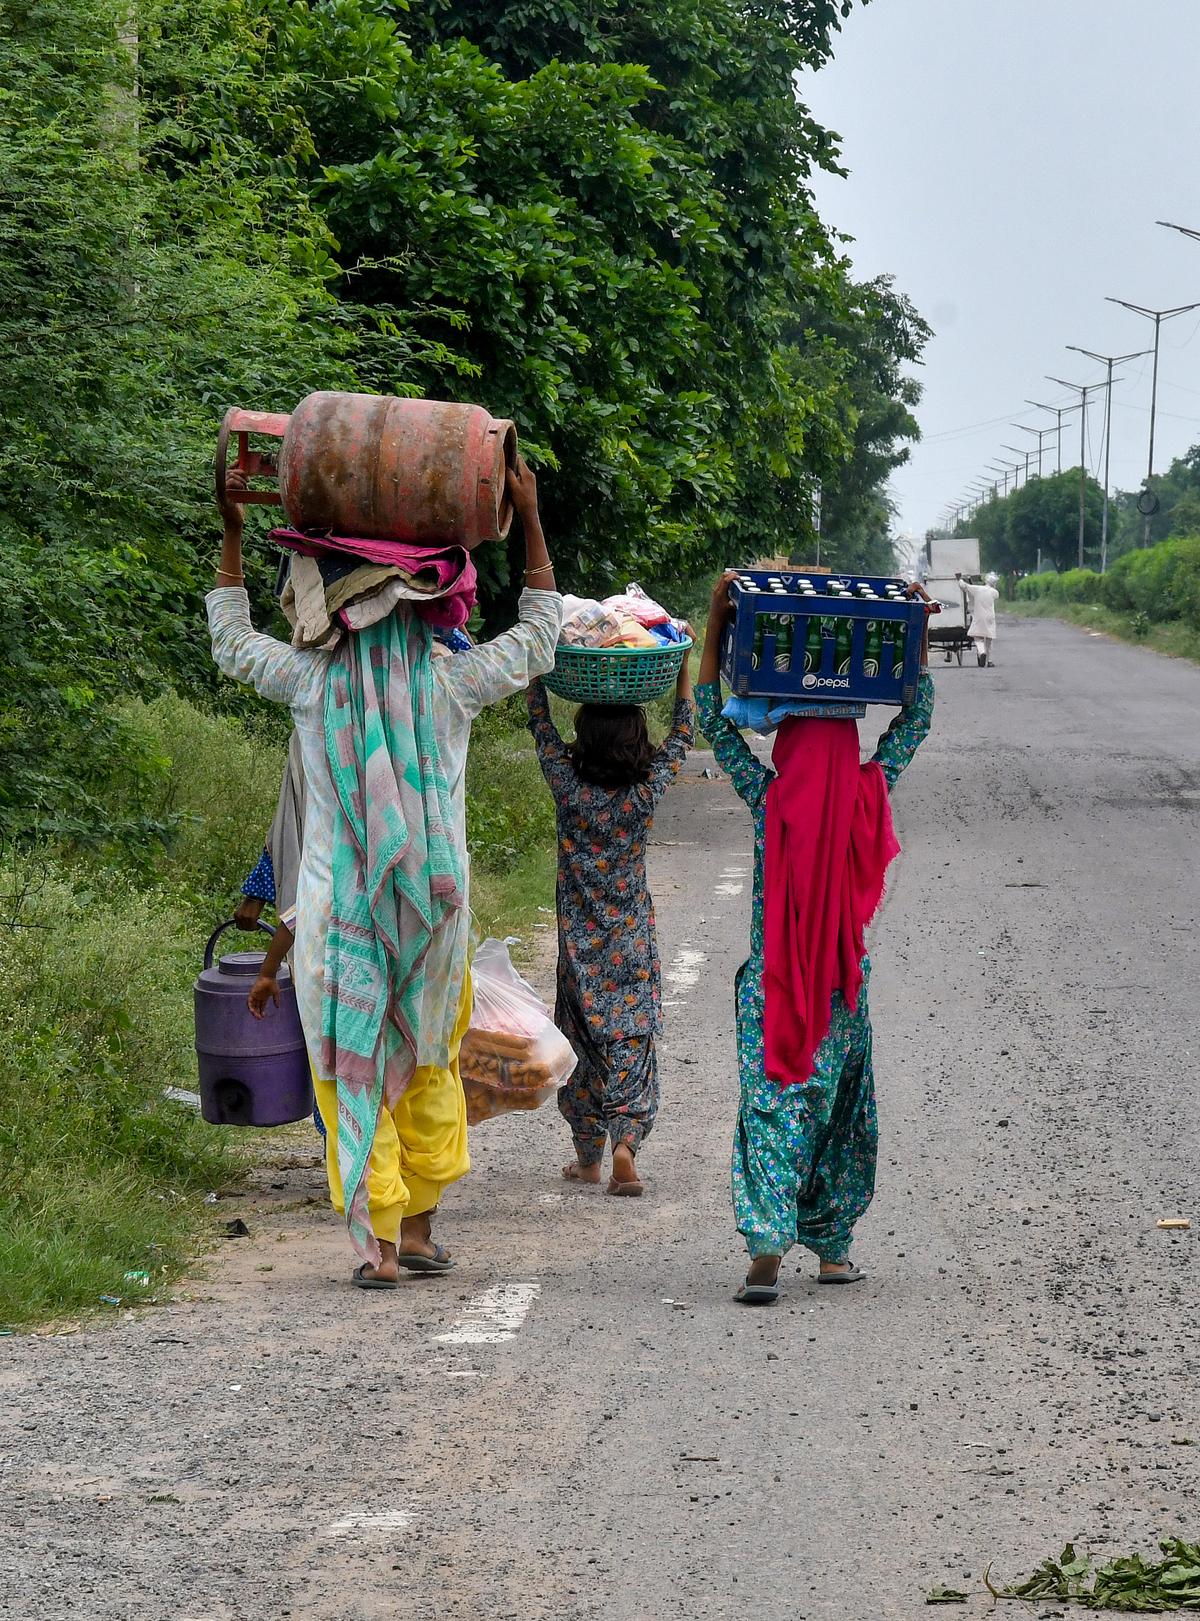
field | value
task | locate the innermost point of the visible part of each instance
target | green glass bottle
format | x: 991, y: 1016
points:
x: 898, y: 651
x: 873, y: 655
x: 813, y: 646
x: 760, y: 631
x: 843, y: 643
x: 784, y: 624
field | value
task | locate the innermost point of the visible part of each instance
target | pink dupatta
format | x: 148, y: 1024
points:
x: 829, y: 844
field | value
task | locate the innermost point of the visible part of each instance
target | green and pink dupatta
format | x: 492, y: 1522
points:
x: 397, y: 879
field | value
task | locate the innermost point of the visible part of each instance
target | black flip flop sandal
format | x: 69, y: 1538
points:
x: 439, y: 1261
x: 360, y: 1280
x: 852, y: 1276
x: 757, y: 1294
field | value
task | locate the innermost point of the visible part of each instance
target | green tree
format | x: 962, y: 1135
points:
x: 1042, y: 517
x: 605, y: 211
x: 858, y: 352
x: 989, y: 525
x: 1044, y: 514
x: 1178, y: 494
x: 154, y: 266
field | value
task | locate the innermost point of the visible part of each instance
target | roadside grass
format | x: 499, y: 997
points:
x: 510, y: 827
x: 1172, y: 637
x: 100, y: 1175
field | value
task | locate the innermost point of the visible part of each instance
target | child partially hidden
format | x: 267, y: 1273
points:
x: 606, y: 786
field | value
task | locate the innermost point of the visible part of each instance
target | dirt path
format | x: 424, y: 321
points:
x: 579, y: 1422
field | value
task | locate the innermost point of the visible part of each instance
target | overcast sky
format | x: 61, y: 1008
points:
x: 1008, y: 160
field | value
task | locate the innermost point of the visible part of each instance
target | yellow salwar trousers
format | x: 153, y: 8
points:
x: 420, y: 1146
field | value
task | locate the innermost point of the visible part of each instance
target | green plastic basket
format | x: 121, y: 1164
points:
x: 615, y: 675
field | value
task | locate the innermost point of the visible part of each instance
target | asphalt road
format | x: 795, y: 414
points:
x: 580, y: 1422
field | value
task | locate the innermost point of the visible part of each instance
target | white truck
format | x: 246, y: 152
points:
x: 942, y: 560
x: 947, y: 557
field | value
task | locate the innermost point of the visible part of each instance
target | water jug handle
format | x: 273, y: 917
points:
x: 220, y: 930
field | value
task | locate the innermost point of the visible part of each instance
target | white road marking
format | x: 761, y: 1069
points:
x: 734, y: 872
x: 684, y: 971
x: 494, y: 1316
x: 728, y: 889
x: 357, y: 1519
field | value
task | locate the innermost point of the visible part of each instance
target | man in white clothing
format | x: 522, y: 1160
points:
x: 981, y: 601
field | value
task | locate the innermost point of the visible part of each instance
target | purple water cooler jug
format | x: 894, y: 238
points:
x: 253, y: 1072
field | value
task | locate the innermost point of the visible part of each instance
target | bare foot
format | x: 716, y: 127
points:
x: 388, y: 1270
x: 764, y: 1269
x: 415, y: 1238
x: 577, y: 1171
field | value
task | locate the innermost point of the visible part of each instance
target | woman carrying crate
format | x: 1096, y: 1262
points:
x: 606, y: 786
x: 805, y: 1143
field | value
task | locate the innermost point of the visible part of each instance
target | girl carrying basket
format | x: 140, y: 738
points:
x: 606, y: 786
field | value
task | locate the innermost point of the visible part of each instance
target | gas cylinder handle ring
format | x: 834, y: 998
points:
x: 229, y: 923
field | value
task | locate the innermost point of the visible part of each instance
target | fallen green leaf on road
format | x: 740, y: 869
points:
x: 1132, y: 1584
x: 945, y: 1595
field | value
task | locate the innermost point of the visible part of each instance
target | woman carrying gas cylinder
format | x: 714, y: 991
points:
x: 805, y: 1143
x: 382, y: 915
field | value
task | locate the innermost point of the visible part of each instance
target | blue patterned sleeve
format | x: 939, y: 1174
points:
x: 749, y: 776
x: 670, y: 757
x: 551, y: 751
x: 906, y: 733
x: 260, y: 885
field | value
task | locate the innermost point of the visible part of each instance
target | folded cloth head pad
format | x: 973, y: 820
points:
x: 336, y: 583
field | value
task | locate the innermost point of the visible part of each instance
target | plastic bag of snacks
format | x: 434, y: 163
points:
x: 634, y: 603
x: 600, y: 624
x: 587, y: 623
x: 513, y: 1056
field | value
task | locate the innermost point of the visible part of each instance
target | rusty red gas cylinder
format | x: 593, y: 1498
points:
x: 377, y: 467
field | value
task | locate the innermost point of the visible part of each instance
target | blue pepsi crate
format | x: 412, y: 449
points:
x: 769, y: 647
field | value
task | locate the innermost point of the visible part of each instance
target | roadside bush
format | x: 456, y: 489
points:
x: 1115, y: 593
x: 1161, y: 583
x: 509, y: 808
x: 1035, y: 587
x: 1077, y: 585
x: 220, y: 783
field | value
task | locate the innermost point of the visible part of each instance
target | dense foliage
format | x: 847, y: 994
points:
x: 604, y: 210
x: 863, y: 346
x: 144, y: 280
x: 591, y: 217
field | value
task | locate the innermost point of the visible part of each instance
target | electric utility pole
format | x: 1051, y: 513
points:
x: 1059, y: 411
x: 1083, y: 390
x: 1039, y: 434
x: 1148, y: 502
x: 1109, y: 361
x: 1020, y: 451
